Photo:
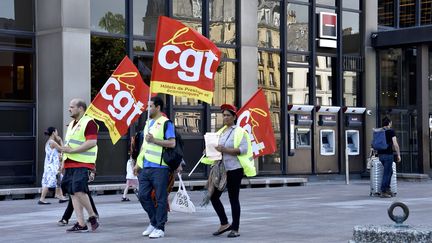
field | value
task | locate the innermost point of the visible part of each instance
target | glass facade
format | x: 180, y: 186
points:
x: 17, y: 92
x: 404, y: 13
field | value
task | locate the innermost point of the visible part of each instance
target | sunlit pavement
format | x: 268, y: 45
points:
x: 316, y: 212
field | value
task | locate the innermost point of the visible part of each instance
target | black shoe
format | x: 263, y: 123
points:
x: 43, y: 203
x: 125, y: 199
x: 62, y: 222
x: 222, y: 230
x: 77, y: 228
x: 63, y: 200
x: 385, y: 195
x: 233, y: 234
x: 93, y: 222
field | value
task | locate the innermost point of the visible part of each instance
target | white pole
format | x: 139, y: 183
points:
x: 196, y: 165
x: 346, y: 166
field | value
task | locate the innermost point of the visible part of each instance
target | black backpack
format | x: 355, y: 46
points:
x: 136, y: 144
x: 173, y: 156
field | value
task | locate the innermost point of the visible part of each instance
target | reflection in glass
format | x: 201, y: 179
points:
x: 106, y: 54
x: 268, y: 24
x: 144, y: 65
x: 298, y: 27
x: 144, y: 46
x: 145, y: 16
x: 299, y: 87
x: 108, y: 16
x: 386, y: 13
x: 16, y: 15
x: 228, y: 53
x: 216, y: 121
x: 225, y: 84
x: 398, y: 77
x: 187, y: 122
x: 189, y: 12
x: 223, y: 21
x: 407, y: 13
x: 323, y: 71
x: 298, y: 59
x: 16, y: 76
x: 426, y: 12
x: 12, y: 41
x: 350, y: 80
x: 351, y: 32
x: 326, y: 2
x: 352, y: 4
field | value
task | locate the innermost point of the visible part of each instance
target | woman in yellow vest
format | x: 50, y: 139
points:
x: 235, y: 146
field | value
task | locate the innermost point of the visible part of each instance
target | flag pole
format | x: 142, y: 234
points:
x: 196, y: 165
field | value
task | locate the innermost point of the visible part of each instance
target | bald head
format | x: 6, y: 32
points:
x: 77, y: 108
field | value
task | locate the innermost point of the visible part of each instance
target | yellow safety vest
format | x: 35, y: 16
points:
x: 75, y: 137
x: 150, y: 151
x: 246, y: 160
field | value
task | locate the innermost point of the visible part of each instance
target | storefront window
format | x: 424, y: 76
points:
x: 407, y: 11
x: 268, y: 24
x: 145, y: 17
x: 398, y: 77
x: 225, y: 84
x: 386, y: 13
x: 16, y: 15
x: 326, y: 2
x: 188, y: 122
x: 351, y: 33
x: 106, y: 54
x: 323, y: 72
x: 298, y: 27
x: 350, y: 82
x: 108, y: 16
x: 426, y: 12
x: 189, y: 13
x: 223, y: 21
x: 16, y: 76
x: 351, y: 4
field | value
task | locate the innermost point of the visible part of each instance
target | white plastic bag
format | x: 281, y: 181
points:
x: 181, y: 201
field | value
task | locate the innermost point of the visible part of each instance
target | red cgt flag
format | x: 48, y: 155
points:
x: 184, y: 63
x: 121, y: 100
x: 254, y: 117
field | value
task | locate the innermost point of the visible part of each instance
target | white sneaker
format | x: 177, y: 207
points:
x: 149, y: 230
x: 157, y: 233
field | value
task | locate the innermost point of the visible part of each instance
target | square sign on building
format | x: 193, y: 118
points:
x: 327, y: 30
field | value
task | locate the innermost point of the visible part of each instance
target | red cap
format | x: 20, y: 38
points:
x: 229, y: 107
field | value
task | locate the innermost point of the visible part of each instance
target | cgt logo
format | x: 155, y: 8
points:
x: 122, y: 101
x: 247, y: 119
x: 189, y: 62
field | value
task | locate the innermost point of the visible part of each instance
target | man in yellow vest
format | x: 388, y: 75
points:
x: 154, y: 171
x: 79, y: 154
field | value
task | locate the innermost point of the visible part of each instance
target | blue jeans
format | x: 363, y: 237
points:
x: 387, y: 162
x: 156, y: 178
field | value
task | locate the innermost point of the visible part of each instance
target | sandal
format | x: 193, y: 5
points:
x: 233, y: 234
x: 125, y: 199
x: 222, y: 230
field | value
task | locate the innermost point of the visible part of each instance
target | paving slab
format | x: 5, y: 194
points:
x: 316, y: 212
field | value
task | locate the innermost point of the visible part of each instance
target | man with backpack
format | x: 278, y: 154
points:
x: 384, y: 141
x: 154, y: 169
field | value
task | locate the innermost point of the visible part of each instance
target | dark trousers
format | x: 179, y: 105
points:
x: 69, y: 209
x: 387, y: 162
x: 234, y: 178
x: 157, y: 179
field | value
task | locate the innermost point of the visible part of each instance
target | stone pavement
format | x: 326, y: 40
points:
x: 316, y: 212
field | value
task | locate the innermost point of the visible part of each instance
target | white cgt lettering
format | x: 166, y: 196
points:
x: 188, y: 73
x: 256, y: 147
x: 116, y: 109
